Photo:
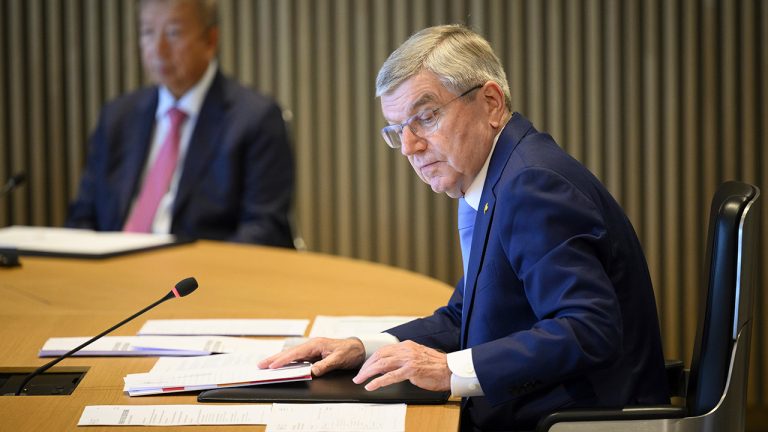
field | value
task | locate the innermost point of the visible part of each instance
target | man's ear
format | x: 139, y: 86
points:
x: 212, y: 34
x: 493, y: 97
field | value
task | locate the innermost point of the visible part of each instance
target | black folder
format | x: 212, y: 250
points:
x: 336, y: 386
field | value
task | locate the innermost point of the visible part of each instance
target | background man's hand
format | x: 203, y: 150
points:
x: 327, y: 355
x: 422, y: 366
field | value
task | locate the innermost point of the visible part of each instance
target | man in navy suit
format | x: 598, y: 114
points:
x: 231, y: 170
x: 556, y: 307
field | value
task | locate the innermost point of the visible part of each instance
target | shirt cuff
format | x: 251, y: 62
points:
x: 464, y: 382
x: 374, y: 342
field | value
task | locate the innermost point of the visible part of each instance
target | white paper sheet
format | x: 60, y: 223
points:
x: 226, y: 327
x: 222, y: 361
x: 214, y: 377
x: 214, y: 344
x: 346, y: 326
x: 67, y: 241
x: 174, y: 415
x: 124, y: 346
x: 353, y: 417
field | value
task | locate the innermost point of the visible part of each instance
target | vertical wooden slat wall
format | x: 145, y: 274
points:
x: 663, y: 100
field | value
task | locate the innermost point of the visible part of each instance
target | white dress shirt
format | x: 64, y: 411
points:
x: 191, y: 103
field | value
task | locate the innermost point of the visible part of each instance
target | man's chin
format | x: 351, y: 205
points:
x: 439, y: 188
x: 163, y: 79
x: 454, y: 194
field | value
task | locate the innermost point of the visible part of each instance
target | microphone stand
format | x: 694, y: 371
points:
x: 12, y: 183
x: 52, y: 363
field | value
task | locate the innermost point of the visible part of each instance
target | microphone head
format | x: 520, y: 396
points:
x: 184, y: 287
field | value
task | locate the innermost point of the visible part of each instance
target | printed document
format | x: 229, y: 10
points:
x: 177, y: 374
x: 226, y: 327
x: 174, y: 415
x: 338, y: 417
x: 160, y: 346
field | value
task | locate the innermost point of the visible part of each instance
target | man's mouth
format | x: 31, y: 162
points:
x: 426, y: 165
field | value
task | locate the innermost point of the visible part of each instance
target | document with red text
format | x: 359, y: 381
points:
x: 178, y: 374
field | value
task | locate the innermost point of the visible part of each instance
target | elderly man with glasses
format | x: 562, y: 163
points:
x: 556, y: 307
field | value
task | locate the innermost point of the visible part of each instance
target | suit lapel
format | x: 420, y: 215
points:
x: 203, y: 142
x: 476, y: 256
x: 513, y: 132
x: 134, y: 154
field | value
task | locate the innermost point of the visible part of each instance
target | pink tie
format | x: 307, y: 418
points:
x: 158, y: 180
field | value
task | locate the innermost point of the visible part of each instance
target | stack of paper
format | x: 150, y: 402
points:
x: 160, y: 346
x: 171, y: 374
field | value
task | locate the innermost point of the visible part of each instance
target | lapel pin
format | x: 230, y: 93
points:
x: 485, y: 209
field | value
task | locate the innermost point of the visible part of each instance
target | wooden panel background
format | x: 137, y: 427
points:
x: 663, y: 100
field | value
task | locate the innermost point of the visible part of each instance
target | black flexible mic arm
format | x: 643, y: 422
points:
x: 13, y: 183
x: 181, y: 289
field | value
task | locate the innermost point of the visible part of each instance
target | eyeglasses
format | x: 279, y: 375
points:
x: 422, y: 124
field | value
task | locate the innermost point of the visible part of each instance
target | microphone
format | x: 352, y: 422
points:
x: 15, y: 181
x: 181, y: 289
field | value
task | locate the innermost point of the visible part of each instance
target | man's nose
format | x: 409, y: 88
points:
x: 411, y: 143
x: 159, y: 44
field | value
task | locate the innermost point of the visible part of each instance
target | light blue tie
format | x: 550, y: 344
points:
x: 466, y: 224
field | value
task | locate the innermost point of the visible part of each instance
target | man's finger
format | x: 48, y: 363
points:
x: 264, y: 363
x: 388, y: 378
x: 302, y: 352
x: 380, y: 366
x: 333, y: 361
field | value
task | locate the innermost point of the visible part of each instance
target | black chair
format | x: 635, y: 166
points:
x: 293, y: 219
x: 715, y: 387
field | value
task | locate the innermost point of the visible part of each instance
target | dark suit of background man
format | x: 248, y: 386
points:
x: 556, y: 307
x: 234, y: 176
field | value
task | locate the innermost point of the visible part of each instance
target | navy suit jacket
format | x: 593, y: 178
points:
x: 237, y: 179
x: 559, y: 309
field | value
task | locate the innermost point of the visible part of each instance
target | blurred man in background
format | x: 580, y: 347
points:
x: 198, y: 155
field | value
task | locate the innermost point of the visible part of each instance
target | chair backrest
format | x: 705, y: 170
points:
x: 727, y: 302
x: 293, y: 219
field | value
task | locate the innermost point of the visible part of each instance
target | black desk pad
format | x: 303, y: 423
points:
x: 336, y: 386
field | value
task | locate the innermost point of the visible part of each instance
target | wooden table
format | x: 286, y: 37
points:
x: 49, y: 297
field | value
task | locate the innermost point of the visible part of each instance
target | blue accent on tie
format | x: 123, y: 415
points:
x: 466, y: 224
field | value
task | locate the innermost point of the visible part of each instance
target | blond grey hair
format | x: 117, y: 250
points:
x: 458, y: 56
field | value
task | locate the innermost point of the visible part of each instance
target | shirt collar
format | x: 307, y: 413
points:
x: 475, y: 189
x: 190, y: 102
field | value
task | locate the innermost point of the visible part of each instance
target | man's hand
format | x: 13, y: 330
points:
x: 328, y: 355
x: 422, y: 366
